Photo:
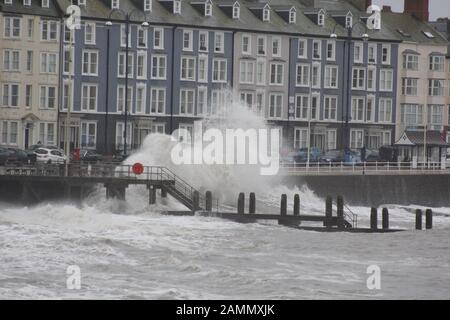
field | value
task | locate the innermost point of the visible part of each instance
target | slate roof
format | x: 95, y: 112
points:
x: 35, y: 8
x: 434, y: 139
x: 413, y: 26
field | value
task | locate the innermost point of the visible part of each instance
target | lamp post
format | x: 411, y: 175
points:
x: 127, y: 17
x: 349, y: 40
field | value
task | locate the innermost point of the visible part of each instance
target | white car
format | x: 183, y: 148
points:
x: 50, y: 156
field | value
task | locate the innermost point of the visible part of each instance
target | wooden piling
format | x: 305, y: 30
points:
x: 328, y: 212
x: 283, y: 205
x: 429, y: 219
x: 241, y: 203
x: 296, y: 205
x: 418, y: 219
x: 340, y: 212
x: 208, y: 201
x: 151, y: 195
x: 252, y: 203
x: 385, y: 219
x: 195, y: 201
x: 283, y: 210
x: 374, y: 219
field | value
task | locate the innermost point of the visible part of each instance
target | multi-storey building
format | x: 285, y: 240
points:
x: 347, y: 77
x: 29, y: 51
x: 310, y: 67
x: 422, y: 81
x: 177, y: 68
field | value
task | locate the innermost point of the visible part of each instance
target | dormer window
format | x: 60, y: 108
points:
x: 266, y: 14
x: 45, y: 4
x: 292, y: 16
x: 321, y: 19
x: 27, y: 2
x: 147, y: 5
x: 236, y: 10
x: 176, y: 7
x: 348, y: 21
x: 115, y: 4
x: 208, y: 9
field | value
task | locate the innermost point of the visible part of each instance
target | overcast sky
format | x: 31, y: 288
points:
x: 438, y: 8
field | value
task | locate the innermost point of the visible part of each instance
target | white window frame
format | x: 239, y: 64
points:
x: 279, y: 80
x: 385, y: 81
x: 159, y: 58
x: 89, y: 87
x: 331, y: 109
x: 329, y: 70
x: 189, y: 68
x: 203, y: 74
x: 220, y: 68
x: 90, y: 53
x: 92, y: 34
x: 160, y: 31
x: 186, y: 93
x: 384, y: 105
x: 156, y: 91
x: 305, y: 48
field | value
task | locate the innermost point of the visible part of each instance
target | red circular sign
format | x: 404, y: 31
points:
x: 138, y: 168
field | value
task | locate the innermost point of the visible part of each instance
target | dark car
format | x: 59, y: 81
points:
x: 4, y: 155
x: 18, y: 156
x: 90, y: 156
x: 332, y: 156
x: 372, y: 156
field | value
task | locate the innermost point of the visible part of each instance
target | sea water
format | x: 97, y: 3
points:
x: 128, y: 250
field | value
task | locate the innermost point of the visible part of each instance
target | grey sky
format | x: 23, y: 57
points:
x: 438, y: 8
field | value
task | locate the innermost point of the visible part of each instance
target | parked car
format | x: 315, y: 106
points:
x: 19, y: 157
x: 4, y: 155
x: 50, y: 156
x: 372, y: 156
x: 90, y: 156
x: 352, y: 157
x: 332, y: 156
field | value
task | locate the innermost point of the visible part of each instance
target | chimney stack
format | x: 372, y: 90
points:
x: 418, y: 8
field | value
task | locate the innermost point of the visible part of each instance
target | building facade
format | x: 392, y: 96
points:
x: 312, y: 68
x: 29, y: 77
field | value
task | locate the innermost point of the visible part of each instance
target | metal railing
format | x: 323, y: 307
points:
x: 349, y: 214
x: 363, y: 168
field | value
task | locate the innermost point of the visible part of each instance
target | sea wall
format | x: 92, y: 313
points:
x: 376, y: 190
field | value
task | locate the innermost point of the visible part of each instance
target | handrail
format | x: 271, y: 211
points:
x: 351, y: 216
x: 363, y: 168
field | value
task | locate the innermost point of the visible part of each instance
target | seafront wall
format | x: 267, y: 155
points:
x: 376, y: 190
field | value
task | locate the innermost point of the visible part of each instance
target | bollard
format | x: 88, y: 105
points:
x: 283, y: 206
x: 340, y: 212
x: 208, y: 201
x: 296, y: 205
x: 385, y: 219
x: 418, y: 219
x: 241, y: 203
x: 429, y: 219
x: 374, y: 219
x: 328, y: 212
x: 195, y: 201
x: 252, y: 203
